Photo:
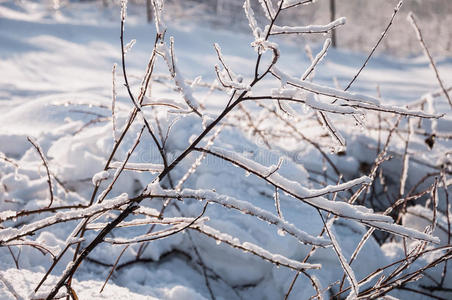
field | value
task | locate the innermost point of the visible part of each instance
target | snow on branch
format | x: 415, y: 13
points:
x: 318, y: 58
x: 178, y: 227
x: 356, y: 100
x: 268, y: 8
x: 250, y: 209
x: 139, y: 167
x: 9, y: 234
x: 307, y: 29
x: 345, y: 266
x: 332, y: 130
x: 257, y: 32
x: 412, y: 19
x: 46, y: 165
x: 276, y: 259
x: 292, y: 3
x: 222, y: 76
x: 314, y: 197
x: 184, y: 90
x: 158, y: 17
x: 291, y: 94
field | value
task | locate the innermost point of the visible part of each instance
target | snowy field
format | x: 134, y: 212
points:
x: 246, y: 210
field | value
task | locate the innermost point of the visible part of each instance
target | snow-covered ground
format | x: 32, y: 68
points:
x: 56, y: 87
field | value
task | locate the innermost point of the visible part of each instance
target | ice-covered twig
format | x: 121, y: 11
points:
x: 343, y: 261
x: 46, y: 165
x: 276, y: 259
x: 184, y: 90
x: 121, y: 168
x: 268, y: 8
x: 383, y: 34
x: 334, y: 133
x: 113, y: 103
x: 302, y: 136
x: 357, y: 100
x: 158, y: 17
x: 129, y: 46
x: 230, y: 84
x: 292, y: 3
x: 9, y: 234
x: 307, y: 99
x: 163, y: 233
x: 318, y: 58
x: 315, y: 199
x: 312, y: 197
x: 43, y: 248
x: 406, y: 159
x: 248, y: 208
x: 307, y: 29
x: 412, y: 19
x: 198, y: 161
x: 139, y: 167
x: 10, y: 287
x: 252, y: 20
x: 222, y: 61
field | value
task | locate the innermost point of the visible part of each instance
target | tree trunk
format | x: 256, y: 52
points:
x: 149, y: 10
x: 333, y: 17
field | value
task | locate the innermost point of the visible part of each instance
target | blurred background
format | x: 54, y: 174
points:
x: 366, y: 20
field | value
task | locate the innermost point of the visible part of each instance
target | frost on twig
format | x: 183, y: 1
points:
x: 315, y: 197
x: 10, y: 234
x: 412, y: 19
x: 268, y: 8
x: 307, y: 29
x: 257, y: 32
x: 276, y: 259
x: 335, y: 134
x: 113, y: 103
x: 158, y: 17
x: 46, y: 165
x: 185, y: 90
x: 318, y: 58
x: 347, y: 269
x: 352, y: 99
x: 292, y: 3
x: 248, y: 208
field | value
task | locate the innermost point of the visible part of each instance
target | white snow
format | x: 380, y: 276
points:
x: 56, y: 86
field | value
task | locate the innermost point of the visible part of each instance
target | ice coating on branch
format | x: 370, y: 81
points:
x: 403, y: 231
x: 406, y: 163
x: 123, y: 10
x: 10, y: 233
x: 252, y: 20
x: 314, y: 197
x: 318, y: 58
x: 315, y: 103
x: 7, y: 214
x: 141, y: 167
x: 248, y: 208
x: 355, y: 99
x: 129, y: 46
x: 184, y: 89
x: 431, y: 109
x: 99, y: 177
x: 345, y: 265
x: 290, y: 3
x: 255, y: 249
x: 333, y: 132
x: 155, y: 189
x: 223, y: 77
x: 308, y: 29
x: 316, y: 88
x: 268, y: 8
x: 158, y: 12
